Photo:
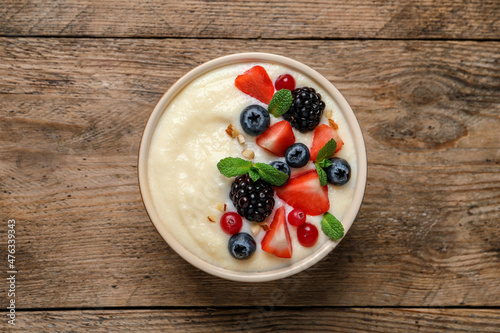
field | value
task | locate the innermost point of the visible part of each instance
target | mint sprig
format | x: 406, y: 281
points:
x: 271, y: 175
x: 325, y: 163
x: 235, y: 166
x: 321, y: 174
x: 332, y: 227
x: 253, y: 172
x: 326, y: 151
x: 280, y: 103
x: 323, y: 160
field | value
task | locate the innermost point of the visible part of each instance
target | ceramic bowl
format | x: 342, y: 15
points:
x: 354, y: 129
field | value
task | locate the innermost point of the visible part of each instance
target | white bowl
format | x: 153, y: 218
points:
x: 354, y: 129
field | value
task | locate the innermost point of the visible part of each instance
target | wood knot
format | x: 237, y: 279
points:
x: 424, y: 92
x: 423, y: 130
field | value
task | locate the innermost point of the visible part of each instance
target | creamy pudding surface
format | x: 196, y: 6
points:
x: 186, y: 186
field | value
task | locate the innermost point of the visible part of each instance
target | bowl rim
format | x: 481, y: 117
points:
x: 171, y: 93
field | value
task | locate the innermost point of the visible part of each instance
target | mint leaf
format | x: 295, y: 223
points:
x: 233, y: 166
x: 271, y: 175
x: 254, y: 173
x: 332, y: 227
x: 321, y: 174
x: 325, y: 163
x: 280, y: 103
x: 327, y: 150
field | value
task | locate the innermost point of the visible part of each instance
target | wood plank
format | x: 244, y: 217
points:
x: 71, y: 115
x: 264, y: 320
x: 275, y: 19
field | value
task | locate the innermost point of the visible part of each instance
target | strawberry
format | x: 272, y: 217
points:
x: 277, y: 239
x: 322, y: 134
x: 304, y: 191
x: 277, y: 138
x: 256, y: 83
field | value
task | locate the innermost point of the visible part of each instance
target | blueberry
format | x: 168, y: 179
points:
x: 281, y: 166
x: 255, y: 120
x: 297, y: 155
x: 241, y: 246
x: 339, y: 172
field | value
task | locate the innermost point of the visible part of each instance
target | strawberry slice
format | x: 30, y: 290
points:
x: 277, y: 239
x: 322, y: 134
x: 304, y: 191
x: 277, y: 138
x: 256, y: 83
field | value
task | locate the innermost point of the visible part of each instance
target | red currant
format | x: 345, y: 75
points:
x: 285, y: 81
x: 296, y: 217
x: 231, y: 223
x: 307, y: 234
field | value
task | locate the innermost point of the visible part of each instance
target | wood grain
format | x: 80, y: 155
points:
x: 265, y: 320
x: 274, y: 19
x: 71, y: 116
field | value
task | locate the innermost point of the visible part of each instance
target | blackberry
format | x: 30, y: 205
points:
x: 253, y: 200
x: 305, y: 112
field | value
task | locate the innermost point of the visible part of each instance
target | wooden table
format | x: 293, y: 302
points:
x: 78, y: 80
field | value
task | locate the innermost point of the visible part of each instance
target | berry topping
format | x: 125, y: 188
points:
x: 304, y: 191
x: 277, y: 138
x: 307, y: 234
x: 296, y: 217
x: 285, y: 81
x: 253, y: 200
x: 297, y: 155
x: 231, y: 223
x: 305, y: 112
x: 255, y: 120
x: 277, y: 239
x: 322, y: 134
x: 281, y: 166
x: 339, y: 172
x: 256, y: 83
x: 241, y: 246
